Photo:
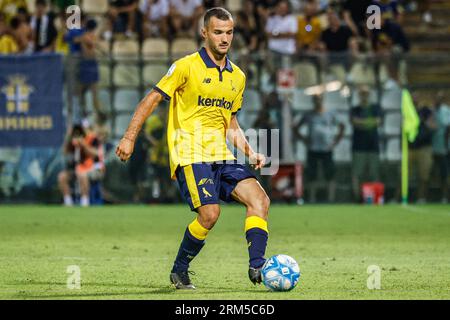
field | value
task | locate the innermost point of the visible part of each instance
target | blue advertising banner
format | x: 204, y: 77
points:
x: 31, y: 101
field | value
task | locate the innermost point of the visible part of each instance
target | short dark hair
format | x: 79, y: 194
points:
x: 91, y: 25
x: 41, y: 3
x: 219, y: 13
x: 14, y: 23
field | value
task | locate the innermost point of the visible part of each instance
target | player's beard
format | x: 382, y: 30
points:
x: 217, y: 52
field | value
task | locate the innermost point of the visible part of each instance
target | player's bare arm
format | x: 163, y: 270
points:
x: 143, y: 111
x: 237, y: 137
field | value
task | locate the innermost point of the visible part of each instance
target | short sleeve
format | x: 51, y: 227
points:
x: 269, y: 25
x: 237, y: 103
x: 294, y: 24
x: 174, y: 79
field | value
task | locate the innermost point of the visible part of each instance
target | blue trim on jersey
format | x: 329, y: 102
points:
x: 211, y: 64
x: 165, y: 95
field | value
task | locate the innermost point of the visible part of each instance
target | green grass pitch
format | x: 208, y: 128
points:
x: 126, y: 252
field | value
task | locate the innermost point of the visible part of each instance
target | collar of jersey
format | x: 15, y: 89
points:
x: 210, y: 64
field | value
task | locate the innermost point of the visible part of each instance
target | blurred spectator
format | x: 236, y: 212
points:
x: 155, y: 130
x: 355, y: 16
x: 44, y: 29
x: 88, y: 67
x: 441, y: 143
x: 9, y: 8
x: 424, y: 7
x: 84, y: 162
x: 309, y: 27
x: 156, y: 17
x: 208, y: 4
x: 8, y: 44
x: 281, y: 30
x: 337, y: 38
x: 73, y: 37
x: 265, y: 8
x: 246, y: 31
x: 421, y: 153
x: 390, y: 38
x: 138, y: 165
x: 320, y: 142
x: 124, y: 17
x: 184, y: 16
x: 393, y: 7
x: 366, y: 119
x: 22, y: 30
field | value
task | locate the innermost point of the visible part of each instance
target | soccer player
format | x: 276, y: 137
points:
x: 205, y: 90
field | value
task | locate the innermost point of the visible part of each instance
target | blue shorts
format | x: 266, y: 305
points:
x: 207, y: 183
x: 88, y: 71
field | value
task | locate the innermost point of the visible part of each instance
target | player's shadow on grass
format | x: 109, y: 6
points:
x: 152, y: 290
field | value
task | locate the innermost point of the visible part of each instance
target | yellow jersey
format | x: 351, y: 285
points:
x: 158, y: 153
x: 202, y: 100
x: 309, y: 30
x: 8, y: 45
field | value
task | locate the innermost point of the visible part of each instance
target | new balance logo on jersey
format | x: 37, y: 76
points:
x: 219, y: 103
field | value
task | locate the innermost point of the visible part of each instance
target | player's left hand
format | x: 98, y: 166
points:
x: 257, y: 160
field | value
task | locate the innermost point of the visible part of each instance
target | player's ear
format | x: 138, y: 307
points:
x: 203, y: 33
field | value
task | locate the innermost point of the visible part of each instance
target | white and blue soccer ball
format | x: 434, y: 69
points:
x: 280, y: 273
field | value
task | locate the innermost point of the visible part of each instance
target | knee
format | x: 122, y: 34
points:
x: 83, y: 178
x: 208, y: 218
x: 62, y: 177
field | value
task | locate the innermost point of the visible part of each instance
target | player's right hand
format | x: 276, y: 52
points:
x: 125, y: 149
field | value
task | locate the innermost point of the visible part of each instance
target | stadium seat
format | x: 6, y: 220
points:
x: 121, y: 123
x: 125, y: 49
x: 105, y: 75
x: 391, y: 99
x: 126, y: 100
x: 362, y: 73
x: 301, y: 101
x: 305, y: 74
x: 337, y: 72
x: 335, y: 101
x: 234, y: 5
x: 104, y: 98
x: 155, y: 48
x: 392, y: 123
x: 104, y: 47
x: 94, y: 6
x: 153, y: 73
x: 104, y: 95
x: 252, y: 100
x: 183, y: 46
x: 393, y: 150
x: 343, y: 151
x: 126, y: 75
